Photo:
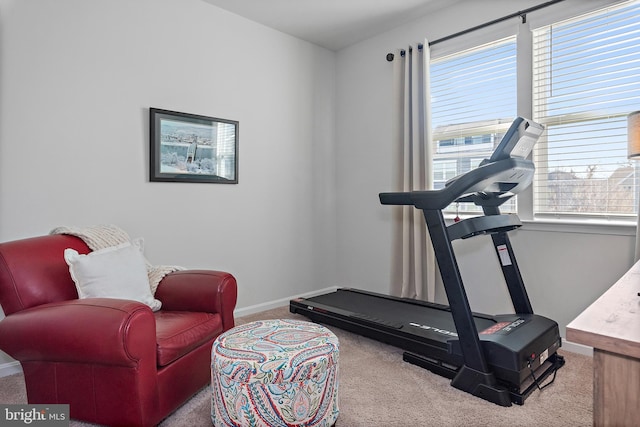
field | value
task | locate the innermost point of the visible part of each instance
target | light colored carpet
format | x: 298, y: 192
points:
x: 378, y: 389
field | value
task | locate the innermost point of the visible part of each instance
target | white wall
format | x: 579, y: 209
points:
x: 565, y: 268
x: 76, y: 80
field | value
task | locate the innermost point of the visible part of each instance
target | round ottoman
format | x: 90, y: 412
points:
x: 275, y: 373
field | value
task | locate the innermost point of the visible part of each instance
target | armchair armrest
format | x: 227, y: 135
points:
x: 100, y: 330
x: 200, y: 290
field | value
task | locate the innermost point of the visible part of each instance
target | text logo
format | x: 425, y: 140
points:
x: 34, y: 415
x: 436, y: 330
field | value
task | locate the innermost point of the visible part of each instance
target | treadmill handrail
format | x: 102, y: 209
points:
x: 492, y: 183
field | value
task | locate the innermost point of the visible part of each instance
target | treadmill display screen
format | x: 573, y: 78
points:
x: 518, y: 141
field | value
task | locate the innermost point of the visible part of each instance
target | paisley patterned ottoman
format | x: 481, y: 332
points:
x: 276, y: 373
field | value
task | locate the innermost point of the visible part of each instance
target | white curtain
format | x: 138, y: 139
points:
x: 413, y: 261
x: 637, y: 253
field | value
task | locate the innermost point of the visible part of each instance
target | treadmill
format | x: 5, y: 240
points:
x: 500, y: 358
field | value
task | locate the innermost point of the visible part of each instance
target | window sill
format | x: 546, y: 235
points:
x: 611, y: 227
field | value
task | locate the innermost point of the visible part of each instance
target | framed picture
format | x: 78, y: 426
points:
x: 192, y: 148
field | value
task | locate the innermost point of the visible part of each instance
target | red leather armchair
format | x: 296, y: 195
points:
x: 115, y: 362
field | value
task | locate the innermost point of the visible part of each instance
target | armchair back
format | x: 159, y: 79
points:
x: 33, y: 271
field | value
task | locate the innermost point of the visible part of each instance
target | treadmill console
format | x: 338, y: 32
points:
x: 504, y: 174
x: 518, y: 141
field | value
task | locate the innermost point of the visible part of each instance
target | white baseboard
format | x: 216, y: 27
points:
x: 577, y: 348
x: 245, y: 311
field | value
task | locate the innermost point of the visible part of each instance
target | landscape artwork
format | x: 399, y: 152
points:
x: 192, y: 148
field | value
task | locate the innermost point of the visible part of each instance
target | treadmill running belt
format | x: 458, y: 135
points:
x: 396, y: 313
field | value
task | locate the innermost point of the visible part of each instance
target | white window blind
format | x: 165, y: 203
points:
x: 473, y: 100
x: 586, y: 80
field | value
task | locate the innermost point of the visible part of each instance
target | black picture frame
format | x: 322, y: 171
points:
x: 192, y: 148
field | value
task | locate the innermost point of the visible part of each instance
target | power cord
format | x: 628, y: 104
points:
x: 537, y: 382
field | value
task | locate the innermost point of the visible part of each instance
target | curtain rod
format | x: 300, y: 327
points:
x: 522, y: 14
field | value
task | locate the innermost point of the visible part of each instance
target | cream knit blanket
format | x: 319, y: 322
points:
x: 102, y: 236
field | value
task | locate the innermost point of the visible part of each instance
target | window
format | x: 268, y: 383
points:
x: 473, y: 100
x: 443, y: 171
x: 585, y: 83
x: 584, y: 79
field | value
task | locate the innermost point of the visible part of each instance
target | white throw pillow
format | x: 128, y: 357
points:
x: 114, y: 272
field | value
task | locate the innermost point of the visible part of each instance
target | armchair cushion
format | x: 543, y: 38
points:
x: 113, y: 272
x: 179, y: 332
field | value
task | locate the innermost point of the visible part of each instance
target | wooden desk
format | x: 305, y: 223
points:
x: 611, y: 325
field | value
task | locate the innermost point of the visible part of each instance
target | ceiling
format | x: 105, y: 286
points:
x: 333, y: 24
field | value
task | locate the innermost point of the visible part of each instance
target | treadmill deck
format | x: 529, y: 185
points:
x: 428, y: 331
